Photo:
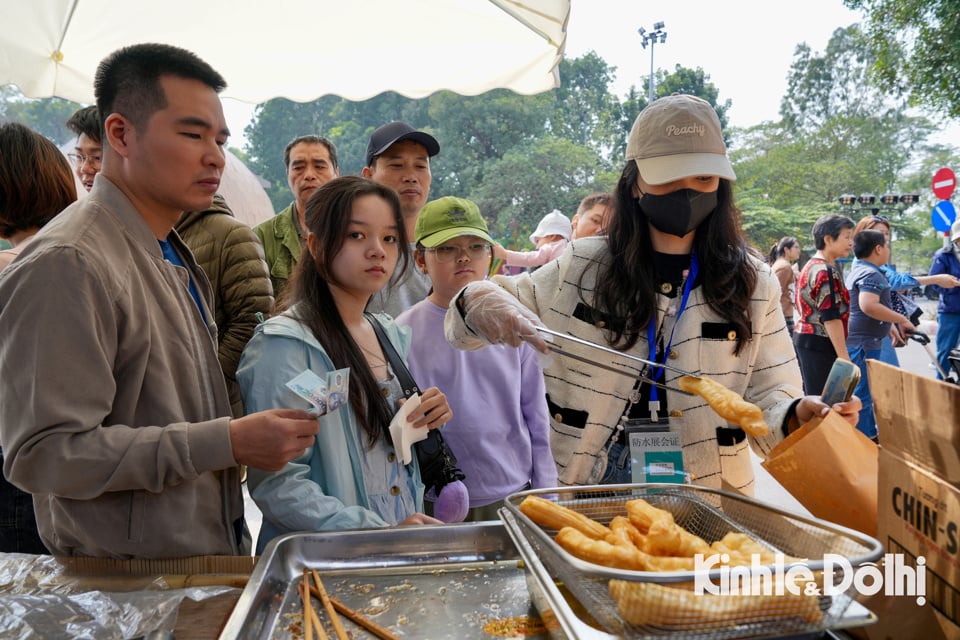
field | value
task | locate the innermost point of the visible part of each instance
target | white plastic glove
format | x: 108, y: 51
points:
x: 499, y: 318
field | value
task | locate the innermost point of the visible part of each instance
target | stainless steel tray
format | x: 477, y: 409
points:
x: 421, y: 582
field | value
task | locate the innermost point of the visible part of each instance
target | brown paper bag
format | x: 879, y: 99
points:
x: 831, y: 469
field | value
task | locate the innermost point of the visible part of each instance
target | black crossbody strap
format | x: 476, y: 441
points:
x: 833, y: 288
x: 406, y: 380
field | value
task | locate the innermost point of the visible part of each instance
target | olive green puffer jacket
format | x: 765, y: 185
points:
x: 231, y: 255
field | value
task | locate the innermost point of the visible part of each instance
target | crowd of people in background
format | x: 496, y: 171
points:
x: 169, y: 338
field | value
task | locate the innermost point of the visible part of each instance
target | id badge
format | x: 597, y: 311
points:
x: 656, y: 453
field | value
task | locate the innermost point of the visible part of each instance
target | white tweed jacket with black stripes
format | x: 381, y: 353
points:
x: 765, y: 373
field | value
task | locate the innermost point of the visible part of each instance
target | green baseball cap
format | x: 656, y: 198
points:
x: 449, y: 217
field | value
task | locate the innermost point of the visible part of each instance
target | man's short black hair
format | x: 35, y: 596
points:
x: 331, y: 148
x: 86, y: 121
x: 128, y: 80
x: 864, y: 242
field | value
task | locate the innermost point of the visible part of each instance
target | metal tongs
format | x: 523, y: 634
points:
x: 643, y: 375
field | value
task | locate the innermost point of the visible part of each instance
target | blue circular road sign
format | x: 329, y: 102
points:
x: 943, y: 215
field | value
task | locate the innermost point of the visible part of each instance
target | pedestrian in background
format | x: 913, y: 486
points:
x: 550, y: 238
x: 947, y: 261
x: 88, y: 149
x: 783, y: 256
x: 593, y: 216
x: 823, y: 302
x: 900, y: 283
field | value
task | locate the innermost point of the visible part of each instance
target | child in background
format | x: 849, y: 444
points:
x: 351, y: 477
x: 592, y: 216
x: 500, y: 432
x: 550, y: 237
x: 871, y: 314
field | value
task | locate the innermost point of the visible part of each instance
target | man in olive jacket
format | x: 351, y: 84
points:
x: 229, y: 253
x: 311, y: 162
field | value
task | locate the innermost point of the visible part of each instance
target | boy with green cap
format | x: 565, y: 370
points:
x: 500, y: 429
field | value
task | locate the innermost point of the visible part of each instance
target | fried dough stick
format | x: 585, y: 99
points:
x: 667, y: 538
x: 554, y: 516
x: 647, y: 603
x: 618, y: 556
x: 664, y: 537
x: 643, y: 514
x: 623, y: 532
x: 728, y: 404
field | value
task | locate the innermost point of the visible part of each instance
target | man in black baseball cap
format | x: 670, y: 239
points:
x: 398, y: 156
x: 384, y: 137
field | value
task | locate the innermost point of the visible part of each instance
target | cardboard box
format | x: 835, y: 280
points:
x: 918, y: 419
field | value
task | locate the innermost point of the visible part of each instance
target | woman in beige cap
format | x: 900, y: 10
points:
x: 672, y: 281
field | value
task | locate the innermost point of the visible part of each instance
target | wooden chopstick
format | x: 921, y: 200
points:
x: 381, y: 632
x: 305, y: 598
x: 311, y: 621
x: 331, y: 612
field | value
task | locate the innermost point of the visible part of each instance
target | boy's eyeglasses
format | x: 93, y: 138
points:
x: 449, y: 253
x: 78, y: 159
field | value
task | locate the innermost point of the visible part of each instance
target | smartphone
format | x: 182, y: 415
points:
x: 841, y: 381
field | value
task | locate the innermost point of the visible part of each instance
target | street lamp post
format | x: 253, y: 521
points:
x: 651, y: 38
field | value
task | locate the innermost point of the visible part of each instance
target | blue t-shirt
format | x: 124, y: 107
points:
x: 174, y: 258
x: 864, y: 331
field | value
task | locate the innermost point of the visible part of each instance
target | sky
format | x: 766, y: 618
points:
x: 745, y: 46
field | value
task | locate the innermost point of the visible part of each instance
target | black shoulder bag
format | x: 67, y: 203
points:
x: 438, y: 465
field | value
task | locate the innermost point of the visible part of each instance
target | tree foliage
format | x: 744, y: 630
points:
x: 916, y: 49
x: 838, y: 134
x: 531, y: 180
x: 47, y: 116
x: 820, y: 87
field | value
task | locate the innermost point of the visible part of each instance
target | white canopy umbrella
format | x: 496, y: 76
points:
x: 298, y: 49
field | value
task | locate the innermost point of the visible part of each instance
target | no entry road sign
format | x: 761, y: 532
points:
x: 944, y: 182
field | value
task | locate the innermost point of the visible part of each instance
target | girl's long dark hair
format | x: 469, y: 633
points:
x: 328, y: 217
x: 626, y: 285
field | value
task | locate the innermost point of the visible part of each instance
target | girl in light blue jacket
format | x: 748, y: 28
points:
x: 352, y: 477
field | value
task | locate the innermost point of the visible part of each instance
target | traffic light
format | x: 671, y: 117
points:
x: 848, y: 199
x: 866, y: 199
x: 889, y: 199
x: 910, y: 198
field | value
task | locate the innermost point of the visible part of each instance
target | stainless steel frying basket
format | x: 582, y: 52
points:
x: 651, y: 604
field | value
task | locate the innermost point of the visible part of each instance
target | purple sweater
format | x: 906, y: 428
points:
x: 500, y: 429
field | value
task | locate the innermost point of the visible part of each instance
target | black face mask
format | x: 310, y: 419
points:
x: 679, y: 212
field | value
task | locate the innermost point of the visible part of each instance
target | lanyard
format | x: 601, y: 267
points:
x: 652, y: 337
